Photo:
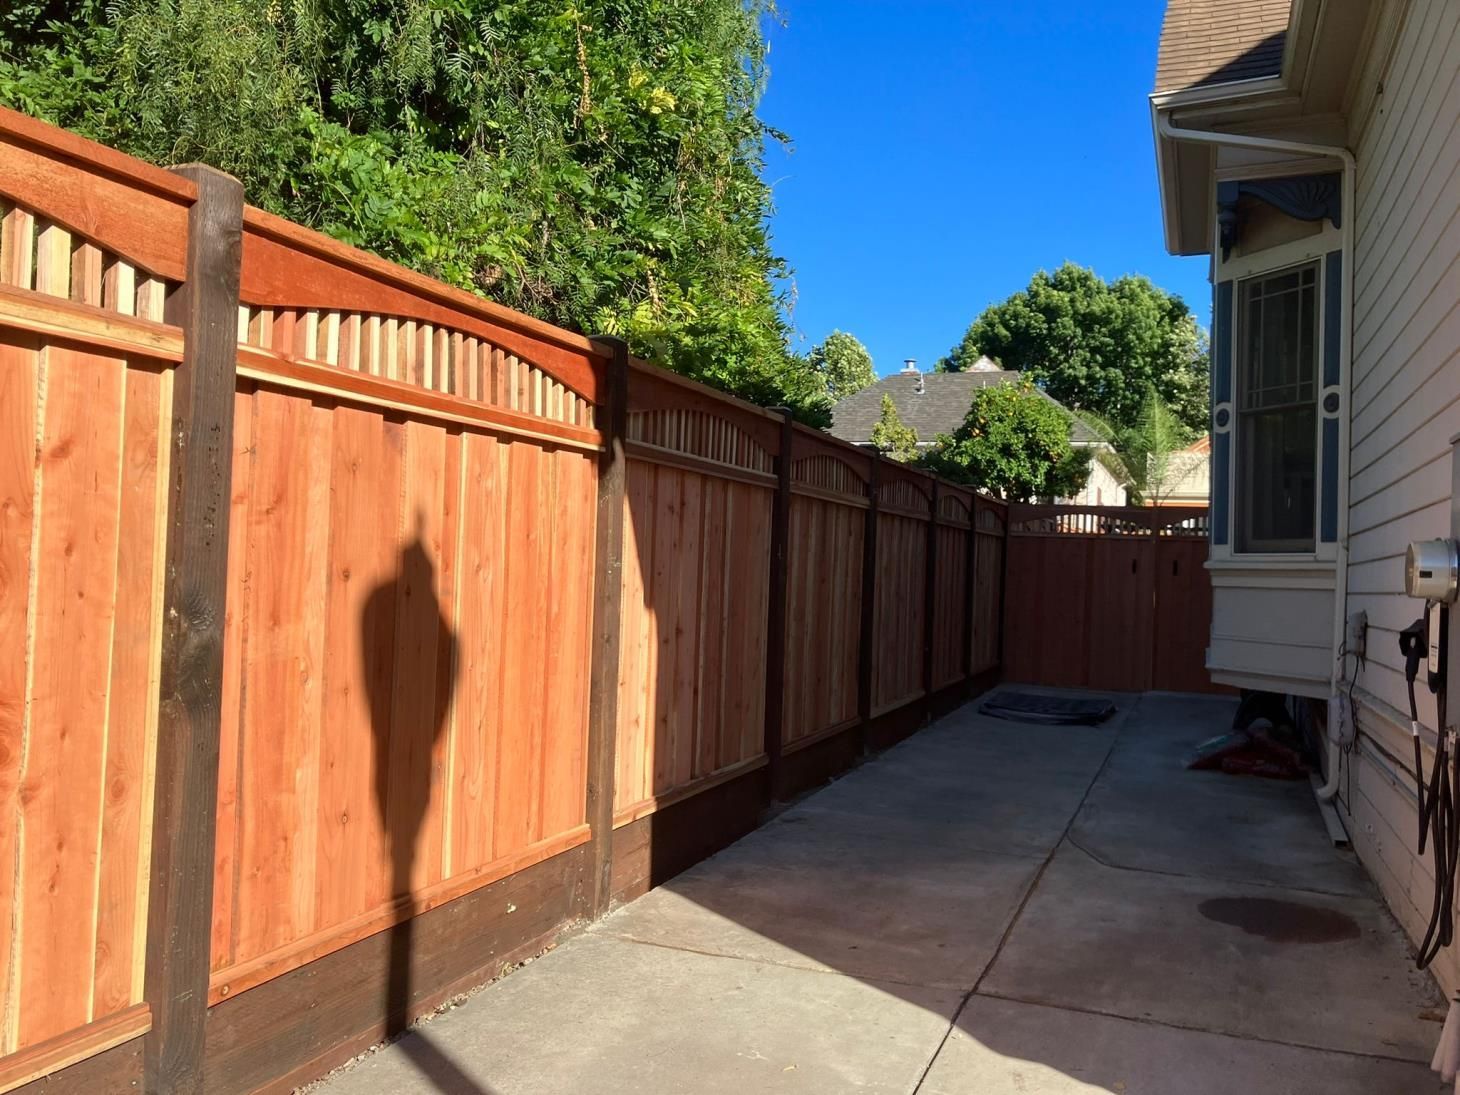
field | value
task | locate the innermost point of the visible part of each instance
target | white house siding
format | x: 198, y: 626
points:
x: 1405, y: 406
x: 1101, y: 489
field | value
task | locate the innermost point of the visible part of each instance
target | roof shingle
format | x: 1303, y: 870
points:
x: 939, y: 408
x: 1206, y: 42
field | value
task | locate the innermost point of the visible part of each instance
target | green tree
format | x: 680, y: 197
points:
x: 595, y: 163
x: 892, y: 437
x: 1095, y: 345
x: 843, y: 364
x: 1015, y: 443
x: 1143, y: 455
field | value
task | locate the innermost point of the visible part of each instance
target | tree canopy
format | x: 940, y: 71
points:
x: 843, y: 364
x: 1014, y: 443
x: 1143, y: 454
x: 1097, y: 346
x: 595, y: 163
x: 891, y: 436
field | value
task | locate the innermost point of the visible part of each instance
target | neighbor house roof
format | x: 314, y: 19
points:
x: 939, y: 407
x: 1205, y: 42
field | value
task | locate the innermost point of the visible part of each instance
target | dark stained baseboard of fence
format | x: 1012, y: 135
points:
x: 111, y: 1072
x: 650, y: 851
x: 297, y: 1027
x: 810, y: 766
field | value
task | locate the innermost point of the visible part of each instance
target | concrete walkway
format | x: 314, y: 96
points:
x: 990, y: 907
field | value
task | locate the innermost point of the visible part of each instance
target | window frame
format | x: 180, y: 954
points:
x: 1243, y: 544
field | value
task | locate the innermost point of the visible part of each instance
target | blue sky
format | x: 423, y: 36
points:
x: 944, y: 151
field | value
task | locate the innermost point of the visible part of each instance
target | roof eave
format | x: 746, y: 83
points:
x: 1214, y: 103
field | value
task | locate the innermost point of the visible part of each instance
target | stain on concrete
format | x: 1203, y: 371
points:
x: 1281, y: 921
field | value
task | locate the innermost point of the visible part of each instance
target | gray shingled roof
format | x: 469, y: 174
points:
x: 1206, y: 42
x: 938, y: 409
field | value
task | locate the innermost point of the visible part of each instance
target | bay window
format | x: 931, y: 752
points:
x: 1277, y: 410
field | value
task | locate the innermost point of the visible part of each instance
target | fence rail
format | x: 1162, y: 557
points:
x: 357, y: 634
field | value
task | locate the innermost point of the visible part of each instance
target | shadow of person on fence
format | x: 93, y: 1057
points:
x: 409, y: 654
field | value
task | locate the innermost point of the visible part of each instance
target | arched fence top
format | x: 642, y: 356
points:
x: 699, y: 433
x: 904, y: 495
x: 953, y: 507
x: 829, y: 473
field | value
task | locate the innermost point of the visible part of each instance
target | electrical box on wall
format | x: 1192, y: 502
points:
x: 1356, y: 635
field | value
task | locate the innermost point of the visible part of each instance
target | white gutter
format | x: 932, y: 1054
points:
x: 1348, y: 212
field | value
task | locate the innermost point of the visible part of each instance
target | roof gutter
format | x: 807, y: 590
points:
x: 1167, y: 130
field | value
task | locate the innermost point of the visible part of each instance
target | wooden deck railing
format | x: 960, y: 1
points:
x: 329, y: 682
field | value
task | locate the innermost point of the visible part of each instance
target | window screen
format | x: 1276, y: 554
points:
x: 1277, y: 428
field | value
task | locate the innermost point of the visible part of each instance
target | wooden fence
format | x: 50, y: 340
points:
x: 1108, y: 597
x: 358, y: 635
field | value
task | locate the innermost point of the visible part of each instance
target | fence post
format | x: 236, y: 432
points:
x: 866, y: 654
x: 195, y: 581
x: 607, y: 617
x: 775, y: 672
x: 1004, y: 584
x: 930, y: 599
x: 970, y: 593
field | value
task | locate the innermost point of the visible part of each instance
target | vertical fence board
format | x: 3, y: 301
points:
x: 421, y: 638
x: 230, y: 734
x: 711, y: 686
x: 18, y: 394
x: 131, y: 726
x: 60, y: 818
x: 365, y: 475
x: 483, y: 638
x: 566, y: 702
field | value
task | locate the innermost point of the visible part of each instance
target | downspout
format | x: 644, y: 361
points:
x: 1349, y: 214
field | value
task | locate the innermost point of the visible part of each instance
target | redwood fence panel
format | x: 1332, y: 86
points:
x: 86, y: 369
x: 986, y: 611
x: 1107, y: 597
x: 829, y: 499
x: 696, y: 555
x: 427, y: 716
x: 952, y: 585
x: 904, y: 511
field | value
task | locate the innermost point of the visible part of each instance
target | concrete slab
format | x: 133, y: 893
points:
x: 976, y: 783
x: 1314, y: 970
x: 827, y: 952
x: 1149, y: 812
x: 1000, y: 1046
x: 610, y: 1017
x: 932, y: 921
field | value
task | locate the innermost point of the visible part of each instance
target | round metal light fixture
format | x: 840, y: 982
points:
x: 1432, y: 570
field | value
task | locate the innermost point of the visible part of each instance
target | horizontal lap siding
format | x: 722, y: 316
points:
x: 405, y: 676
x: 823, y: 615
x: 693, y: 641
x: 1406, y: 392
x: 82, y: 473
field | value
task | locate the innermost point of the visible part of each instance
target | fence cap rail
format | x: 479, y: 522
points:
x: 95, y: 158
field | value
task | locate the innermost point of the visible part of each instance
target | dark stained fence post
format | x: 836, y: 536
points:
x: 775, y: 671
x: 195, y: 581
x: 1002, y: 624
x: 930, y: 598
x: 867, y: 653
x: 607, y: 604
x: 970, y: 591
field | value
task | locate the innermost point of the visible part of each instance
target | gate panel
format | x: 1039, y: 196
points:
x: 1111, y: 598
x: 1183, y: 594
